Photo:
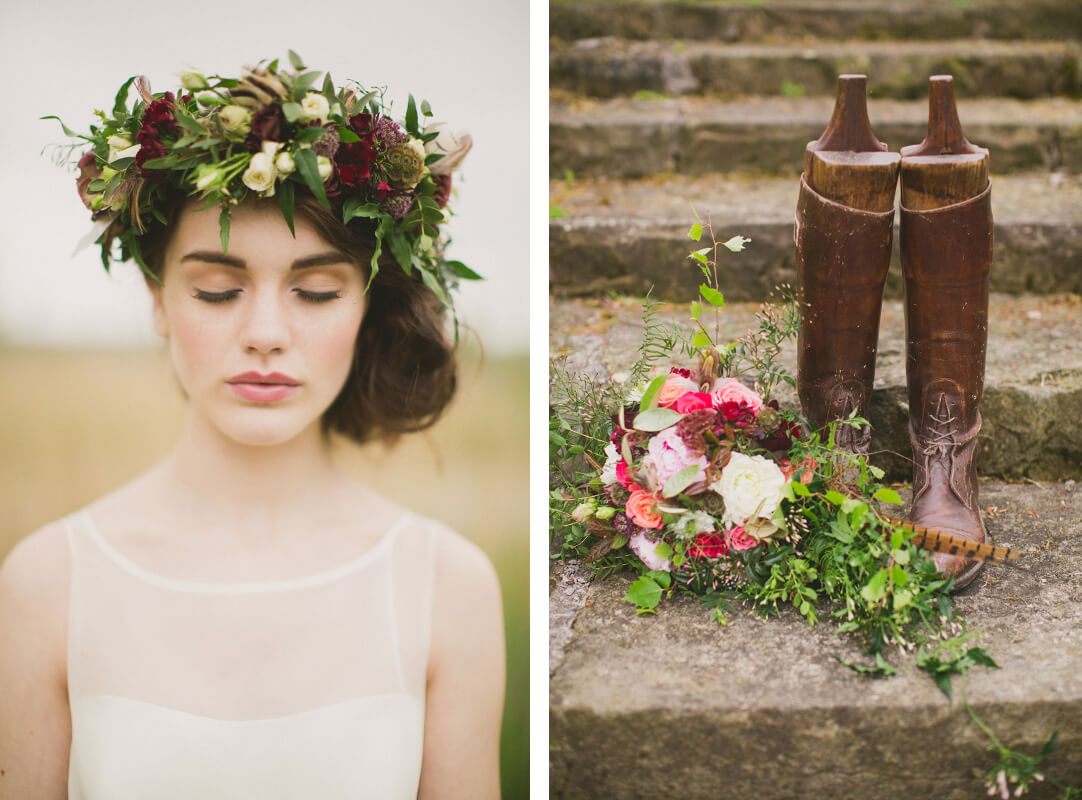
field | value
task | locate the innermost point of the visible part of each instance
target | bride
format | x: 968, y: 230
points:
x: 244, y: 620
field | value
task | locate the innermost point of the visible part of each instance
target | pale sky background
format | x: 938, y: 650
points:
x: 468, y: 58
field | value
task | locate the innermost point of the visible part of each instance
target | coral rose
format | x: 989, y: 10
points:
x: 675, y: 385
x: 642, y: 509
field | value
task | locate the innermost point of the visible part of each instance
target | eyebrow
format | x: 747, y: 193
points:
x: 316, y: 260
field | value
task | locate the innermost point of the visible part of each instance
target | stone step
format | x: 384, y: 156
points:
x: 610, y: 67
x: 629, y: 236
x: 1032, y: 404
x: 675, y: 705
x: 762, y: 21
x: 625, y: 138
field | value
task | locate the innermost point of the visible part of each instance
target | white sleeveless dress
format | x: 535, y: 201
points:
x: 311, y: 687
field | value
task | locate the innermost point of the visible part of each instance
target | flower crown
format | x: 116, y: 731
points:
x: 271, y: 133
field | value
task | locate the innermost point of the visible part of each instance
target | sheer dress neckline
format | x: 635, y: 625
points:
x: 329, y: 575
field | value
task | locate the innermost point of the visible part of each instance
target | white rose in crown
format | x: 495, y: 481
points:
x: 750, y: 487
x: 261, y: 174
x: 314, y: 107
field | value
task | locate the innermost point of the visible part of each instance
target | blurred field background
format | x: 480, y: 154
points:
x: 76, y: 424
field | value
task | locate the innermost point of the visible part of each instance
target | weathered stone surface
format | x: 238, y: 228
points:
x: 626, y: 138
x: 844, y: 19
x: 610, y: 67
x: 677, y: 706
x: 1032, y: 405
x: 627, y: 236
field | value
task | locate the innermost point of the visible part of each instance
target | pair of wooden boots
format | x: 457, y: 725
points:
x: 844, y: 232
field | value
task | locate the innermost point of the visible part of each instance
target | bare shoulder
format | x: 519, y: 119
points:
x: 36, y: 571
x: 464, y: 573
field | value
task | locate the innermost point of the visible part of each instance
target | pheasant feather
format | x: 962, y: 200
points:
x: 939, y: 541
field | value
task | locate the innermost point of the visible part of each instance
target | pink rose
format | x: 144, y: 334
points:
x: 709, y: 545
x: 667, y: 454
x: 738, y: 539
x: 674, y: 386
x: 730, y: 390
x: 623, y: 475
x: 642, y: 509
x: 692, y: 401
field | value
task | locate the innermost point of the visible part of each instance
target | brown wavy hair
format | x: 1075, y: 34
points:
x: 403, y: 374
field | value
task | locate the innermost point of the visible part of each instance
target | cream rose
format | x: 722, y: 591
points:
x: 236, y: 120
x: 314, y: 107
x: 612, y: 458
x: 260, y: 175
x: 750, y: 486
x: 285, y: 164
x: 323, y: 164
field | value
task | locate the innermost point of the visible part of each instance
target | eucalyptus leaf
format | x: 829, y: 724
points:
x: 656, y: 419
x: 650, y: 393
x: 680, y: 480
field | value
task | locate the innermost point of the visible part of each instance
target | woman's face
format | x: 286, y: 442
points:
x: 263, y: 336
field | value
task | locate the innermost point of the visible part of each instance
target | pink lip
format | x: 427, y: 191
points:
x: 258, y: 388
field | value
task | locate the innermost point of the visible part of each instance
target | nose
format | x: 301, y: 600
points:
x: 265, y: 328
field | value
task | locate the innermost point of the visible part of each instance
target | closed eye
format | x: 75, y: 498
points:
x: 215, y: 297
x: 318, y: 297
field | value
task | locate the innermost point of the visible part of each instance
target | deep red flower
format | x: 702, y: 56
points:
x: 737, y: 411
x: 160, y: 113
x: 443, y: 190
x: 354, y: 160
x: 709, y: 545
x: 150, y: 148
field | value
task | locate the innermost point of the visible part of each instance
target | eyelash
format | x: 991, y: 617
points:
x: 222, y: 297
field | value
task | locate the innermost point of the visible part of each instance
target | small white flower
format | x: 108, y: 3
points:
x: 259, y: 177
x: 207, y: 177
x: 323, y: 164
x: 583, y: 511
x: 285, y: 164
x: 314, y: 107
x: 612, y: 458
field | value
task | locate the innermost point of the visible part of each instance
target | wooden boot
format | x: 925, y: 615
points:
x: 946, y: 239
x: 844, y: 230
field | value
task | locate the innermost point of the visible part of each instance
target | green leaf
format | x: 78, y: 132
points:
x: 310, y: 134
x: 292, y: 111
x: 426, y: 109
x: 346, y: 136
x: 400, y: 248
x: 309, y: 172
x: 696, y: 310
x: 460, y: 270
x: 296, y: 61
x: 67, y: 131
x: 898, y: 575
x: 618, y: 541
x: 411, y: 115
x: 980, y: 656
x: 902, y: 598
x: 285, y: 202
x: 649, y: 395
x: 712, y: 296
x: 835, y: 497
x: 736, y: 244
x: 876, y: 588
x: 663, y: 551
x: 223, y: 227
x: 800, y: 489
x: 644, y: 593
x: 680, y: 480
x: 189, y: 123
x: 881, y: 669
x: 695, y: 232
x: 700, y: 339
x: 304, y: 82
x: 887, y: 495
x: 433, y: 283
x: 656, y: 419
x: 901, y: 556
x: 120, y: 102
x: 355, y: 207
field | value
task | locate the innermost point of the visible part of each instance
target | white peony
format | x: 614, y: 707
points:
x: 608, y: 472
x: 314, y: 107
x: 750, y: 486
